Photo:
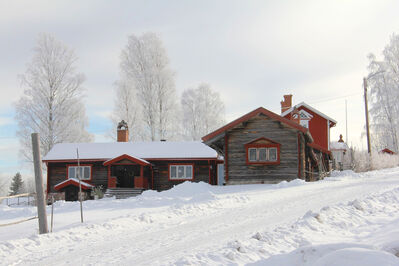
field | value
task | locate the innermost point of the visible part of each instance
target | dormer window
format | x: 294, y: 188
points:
x: 304, y: 118
x: 263, y: 151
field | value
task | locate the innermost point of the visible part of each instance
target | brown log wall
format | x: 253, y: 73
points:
x: 58, y: 172
x: 161, y: 173
x: 261, y: 126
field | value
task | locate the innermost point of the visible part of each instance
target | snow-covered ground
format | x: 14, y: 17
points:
x: 347, y: 219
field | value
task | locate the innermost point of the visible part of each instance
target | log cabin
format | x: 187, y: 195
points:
x: 126, y: 168
x: 264, y: 147
x: 261, y: 147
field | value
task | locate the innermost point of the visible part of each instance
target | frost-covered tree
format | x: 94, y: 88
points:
x: 17, y: 185
x: 203, y: 111
x: 3, y: 185
x: 52, y: 101
x: 145, y: 69
x: 128, y: 108
x: 384, y: 96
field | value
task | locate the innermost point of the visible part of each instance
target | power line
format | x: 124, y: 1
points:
x: 334, y: 98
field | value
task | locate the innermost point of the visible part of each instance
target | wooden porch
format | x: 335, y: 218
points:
x: 129, y: 172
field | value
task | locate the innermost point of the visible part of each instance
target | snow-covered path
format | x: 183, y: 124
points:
x: 193, y: 223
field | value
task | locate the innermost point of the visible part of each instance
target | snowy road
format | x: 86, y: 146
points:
x: 193, y: 224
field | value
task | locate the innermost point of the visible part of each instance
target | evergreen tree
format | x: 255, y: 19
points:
x: 16, y: 184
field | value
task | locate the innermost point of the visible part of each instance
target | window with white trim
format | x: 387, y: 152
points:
x: 84, y: 172
x: 262, y: 154
x: 304, y: 123
x: 181, y: 172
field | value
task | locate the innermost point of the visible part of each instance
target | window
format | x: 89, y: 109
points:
x: 262, y: 151
x: 262, y: 155
x: 272, y: 154
x: 304, y: 123
x: 181, y: 172
x: 252, y: 154
x: 84, y: 172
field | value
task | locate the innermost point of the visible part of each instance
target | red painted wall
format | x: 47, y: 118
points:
x: 317, y: 128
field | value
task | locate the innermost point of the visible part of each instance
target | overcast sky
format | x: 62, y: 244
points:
x: 252, y: 52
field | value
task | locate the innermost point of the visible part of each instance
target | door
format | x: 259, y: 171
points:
x: 220, y: 173
x: 125, y: 175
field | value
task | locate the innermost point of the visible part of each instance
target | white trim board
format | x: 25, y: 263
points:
x: 311, y: 109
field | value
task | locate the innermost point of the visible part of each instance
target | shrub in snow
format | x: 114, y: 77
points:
x: 362, y: 161
x: 98, y: 192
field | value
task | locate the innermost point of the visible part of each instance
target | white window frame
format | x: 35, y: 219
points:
x: 75, y: 172
x: 188, y: 172
x: 304, y: 123
x: 249, y: 154
x: 267, y: 159
x: 268, y: 154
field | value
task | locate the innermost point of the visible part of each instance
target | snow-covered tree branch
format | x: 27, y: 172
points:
x: 203, y: 111
x: 149, y: 82
x: 128, y: 108
x: 383, y: 82
x: 52, y: 101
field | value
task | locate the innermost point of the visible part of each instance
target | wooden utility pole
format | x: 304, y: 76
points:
x: 367, y: 116
x: 41, y: 204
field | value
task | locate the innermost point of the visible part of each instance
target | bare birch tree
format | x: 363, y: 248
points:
x: 384, y: 96
x: 203, y: 111
x: 145, y: 68
x: 128, y: 108
x: 52, y: 101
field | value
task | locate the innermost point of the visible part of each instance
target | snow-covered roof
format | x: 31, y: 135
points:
x: 143, y: 150
x: 125, y: 156
x: 311, y: 109
x: 72, y: 181
x: 336, y: 145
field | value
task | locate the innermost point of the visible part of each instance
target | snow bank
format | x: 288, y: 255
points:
x: 293, y: 183
x: 348, y: 214
x: 363, y: 231
x: 357, y: 256
x: 13, y: 212
x: 195, y: 192
x: 345, y: 254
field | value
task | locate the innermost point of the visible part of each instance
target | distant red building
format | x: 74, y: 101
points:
x: 387, y: 151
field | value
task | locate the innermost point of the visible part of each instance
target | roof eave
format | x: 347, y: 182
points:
x: 311, y: 109
x: 260, y: 110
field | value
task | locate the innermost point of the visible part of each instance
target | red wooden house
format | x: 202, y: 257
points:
x: 318, y: 124
x: 264, y: 147
x: 128, y: 168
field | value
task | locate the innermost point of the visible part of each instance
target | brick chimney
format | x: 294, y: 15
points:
x: 287, y: 103
x: 122, y: 132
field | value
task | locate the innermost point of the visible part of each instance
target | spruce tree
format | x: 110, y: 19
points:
x: 16, y: 184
